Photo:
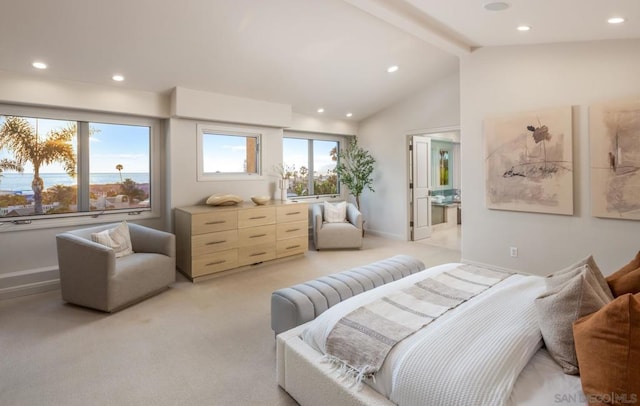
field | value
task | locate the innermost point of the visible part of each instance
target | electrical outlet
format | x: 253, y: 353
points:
x: 513, y: 251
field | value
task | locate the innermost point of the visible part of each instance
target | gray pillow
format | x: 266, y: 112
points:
x: 570, y: 295
x: 563, y: 275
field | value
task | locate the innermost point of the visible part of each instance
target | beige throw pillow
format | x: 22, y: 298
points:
x: 335, y: 212
x: 117, y: 238
x: 567, y: 273
x: 570, y: 295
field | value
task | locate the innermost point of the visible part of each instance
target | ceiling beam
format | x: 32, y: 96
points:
x: 404, y: 15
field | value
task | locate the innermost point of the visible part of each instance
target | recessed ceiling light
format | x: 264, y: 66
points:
x: 117, y: 78
x: 349, y: 114
x: 615, y: 20
x: 496, y: 6
x: 320, y: 110
x: 523, y: 28
x: 39, y: 65
x: 392, y: 69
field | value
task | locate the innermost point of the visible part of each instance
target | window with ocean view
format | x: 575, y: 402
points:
x: 310, y: 161
x: 224, y: 152
x: 51, y: 168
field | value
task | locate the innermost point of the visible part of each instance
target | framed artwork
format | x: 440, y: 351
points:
x: 529, y: 161
x: 614, y: 135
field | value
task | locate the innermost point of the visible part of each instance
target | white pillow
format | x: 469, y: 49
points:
x: 335, y: 212
x: 117, y: 238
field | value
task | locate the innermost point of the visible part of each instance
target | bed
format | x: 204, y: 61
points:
x: 486, y: 350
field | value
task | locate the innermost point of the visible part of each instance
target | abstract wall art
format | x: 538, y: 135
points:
x: 614, y: 134
x: 529, y: 161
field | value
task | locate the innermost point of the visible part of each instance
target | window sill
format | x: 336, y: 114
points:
x: 26, y: 224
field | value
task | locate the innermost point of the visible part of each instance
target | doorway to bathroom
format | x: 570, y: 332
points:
x: 434, y: 187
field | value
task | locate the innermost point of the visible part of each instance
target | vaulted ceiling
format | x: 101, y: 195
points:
x: 330, y: 54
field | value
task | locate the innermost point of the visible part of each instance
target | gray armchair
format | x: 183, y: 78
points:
x: 336, y: 235
x: 91, y: 275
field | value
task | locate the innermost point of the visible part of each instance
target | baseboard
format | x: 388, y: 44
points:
x: 29, y: 282
x: 491, y: 266
x: 384, y: 235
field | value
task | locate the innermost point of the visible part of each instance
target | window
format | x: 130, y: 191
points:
x: 224, y: 152
x: 311, y: 161
x: 53, y: 168
x: 119, y: 166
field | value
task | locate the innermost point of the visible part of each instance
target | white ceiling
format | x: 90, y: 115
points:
x: 307, y: 53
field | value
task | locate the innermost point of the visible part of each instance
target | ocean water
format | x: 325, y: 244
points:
x: 22, y: 181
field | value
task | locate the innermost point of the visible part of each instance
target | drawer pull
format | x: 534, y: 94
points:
x: 216, y: 242
x: 222, y: 261
x: 257, y: 254
x: 293, y: 246
x: 215, y: 222
x: 292, y: 230
x: 257, y: 236
x: 293, y: 213
x: 257, y: 217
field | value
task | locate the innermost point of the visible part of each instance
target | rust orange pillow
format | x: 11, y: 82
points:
x: 626, y: 279
x: 608, y: 349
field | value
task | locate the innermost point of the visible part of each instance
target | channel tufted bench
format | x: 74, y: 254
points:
x: 301, y: 303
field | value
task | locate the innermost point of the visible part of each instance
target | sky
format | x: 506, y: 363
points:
x: 110, y: 145
x: 227, y: 153
x: 295, y: 152
x: 223, y: 153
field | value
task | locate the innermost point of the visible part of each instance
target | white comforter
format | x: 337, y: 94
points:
x: 470, y: 355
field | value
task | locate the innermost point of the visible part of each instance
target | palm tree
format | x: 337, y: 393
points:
x: 119, y: 168
x: 20, y: 138
x: 10, y: 165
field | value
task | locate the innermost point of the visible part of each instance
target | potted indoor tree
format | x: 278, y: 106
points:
x: 355, y: 166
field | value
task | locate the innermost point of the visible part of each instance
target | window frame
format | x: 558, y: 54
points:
x: 209, y: 128
x: 34, y: 222
x: 342, y: 141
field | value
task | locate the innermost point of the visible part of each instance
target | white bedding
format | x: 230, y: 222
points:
x: 400, y: 378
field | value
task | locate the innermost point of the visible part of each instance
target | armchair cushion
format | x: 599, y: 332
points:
x: 335, y: 212
x: 116, y: 238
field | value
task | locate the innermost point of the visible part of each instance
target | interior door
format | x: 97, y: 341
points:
x: 421, y: 191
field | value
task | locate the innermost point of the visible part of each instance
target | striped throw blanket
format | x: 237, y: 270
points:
x: 361, y: 340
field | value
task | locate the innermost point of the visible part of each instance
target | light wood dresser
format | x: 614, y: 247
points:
x: 215, y: 239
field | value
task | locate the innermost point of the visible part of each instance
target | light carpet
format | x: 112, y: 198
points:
x: 208, y: 343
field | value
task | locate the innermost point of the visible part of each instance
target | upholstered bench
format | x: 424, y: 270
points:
x: 301, y: 303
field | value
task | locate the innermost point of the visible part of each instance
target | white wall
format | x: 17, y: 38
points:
x: 515, y: 79
x: 317, y: 124
x: 38, y: 91
x: 198, y: 104
x: 385, y: 136
x: 186, y: 190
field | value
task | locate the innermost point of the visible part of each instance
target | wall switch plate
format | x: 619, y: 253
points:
x: 513, y: 251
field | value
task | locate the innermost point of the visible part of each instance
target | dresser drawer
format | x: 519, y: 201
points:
x: 212, y: 222
x: 292, y: 246
x: 294, y: 212
x: 291, y: 230
x: 213, y: 242
x: 256, y: 217
x: 256, y: 235
x: 211, y: 263
x: 256, y: 253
